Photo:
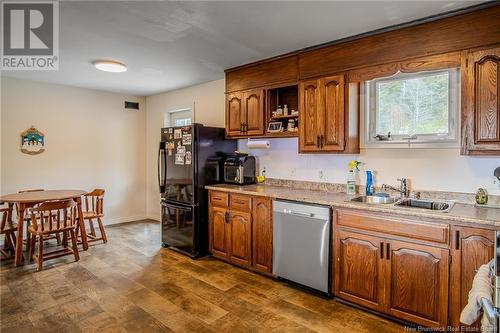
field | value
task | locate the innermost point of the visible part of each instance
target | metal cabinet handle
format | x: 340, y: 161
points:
x: 322, y: 141
x: 317, y: 141
x: 388, y: 251
x: 291, y: 212
x: 457, y: 239
x: 381, y: 250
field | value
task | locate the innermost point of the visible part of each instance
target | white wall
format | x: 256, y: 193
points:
x: 428, y: 169
x: 207, y: 101
x: 91, y: 142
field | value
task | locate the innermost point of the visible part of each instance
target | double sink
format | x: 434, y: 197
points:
x: 440, y: 206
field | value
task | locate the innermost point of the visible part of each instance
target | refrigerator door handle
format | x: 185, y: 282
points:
x: 161, y: 167
x: 171, y: 205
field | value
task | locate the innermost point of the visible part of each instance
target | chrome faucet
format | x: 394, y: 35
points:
x: 403, y: 188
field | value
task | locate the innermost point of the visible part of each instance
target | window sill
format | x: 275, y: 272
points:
x: 412, y: 145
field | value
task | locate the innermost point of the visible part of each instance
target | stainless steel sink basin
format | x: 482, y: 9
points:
x: 374, y: 200
x: 442, y: 206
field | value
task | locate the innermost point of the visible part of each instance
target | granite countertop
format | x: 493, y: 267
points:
x: 462, y: 213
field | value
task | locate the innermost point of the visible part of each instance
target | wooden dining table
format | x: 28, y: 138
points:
x: 29, y: 199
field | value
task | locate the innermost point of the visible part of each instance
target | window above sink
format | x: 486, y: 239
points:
x: 412, y: 110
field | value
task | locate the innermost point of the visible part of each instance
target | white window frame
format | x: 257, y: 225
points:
x: 368, y: 110
x: 170, y: 117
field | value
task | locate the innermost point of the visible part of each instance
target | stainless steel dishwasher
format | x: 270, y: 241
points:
x: 301, y: 244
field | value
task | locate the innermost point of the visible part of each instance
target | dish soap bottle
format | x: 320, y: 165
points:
x: 369, y: 182
x: 351, y: 177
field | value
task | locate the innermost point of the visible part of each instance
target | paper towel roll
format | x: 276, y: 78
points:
x: 258, y: 144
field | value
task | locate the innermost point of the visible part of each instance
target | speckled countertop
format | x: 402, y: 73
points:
x: 460, y: 213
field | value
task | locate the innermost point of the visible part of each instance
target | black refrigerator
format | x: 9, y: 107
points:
x: 183, y: 173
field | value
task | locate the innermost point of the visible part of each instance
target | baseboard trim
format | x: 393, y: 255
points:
x: 125, y: 219
x: 153, y: 217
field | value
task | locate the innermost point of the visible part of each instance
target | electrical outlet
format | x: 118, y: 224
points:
x: 293, y: 173
x: 496, y: 183
x: 321, y: 175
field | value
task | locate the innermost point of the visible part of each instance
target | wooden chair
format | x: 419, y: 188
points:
x: 27, y: 219
x: 94, y: 211
x: 7, y: 228
x: 50, y: 218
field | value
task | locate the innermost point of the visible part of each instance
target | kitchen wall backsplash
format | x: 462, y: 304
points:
x: 468, y: 198
x: 434, y: 170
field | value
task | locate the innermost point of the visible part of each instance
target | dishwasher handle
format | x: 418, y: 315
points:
x: 292, y: 212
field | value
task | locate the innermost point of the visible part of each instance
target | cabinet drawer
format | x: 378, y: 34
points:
x: 434, y: 232
x: 240, y: 202
x: 220, y: 199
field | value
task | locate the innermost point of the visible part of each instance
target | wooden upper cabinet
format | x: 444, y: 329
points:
x: 269, y: 72
x: 332, y: 89
x: 234, y: 114
x: 218, y: 232
x: 262, y: 234
x: 240, y: 248
x: 358, y: 270
x: 245, y: 113
x: 309, y: 116
x: 481, y: 103
x: 471, y: 248
x: 322, y: 115
x: 417, y: 283
x: 253, y: 112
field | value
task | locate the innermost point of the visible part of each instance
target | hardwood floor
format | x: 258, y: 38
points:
x: 132, y: 284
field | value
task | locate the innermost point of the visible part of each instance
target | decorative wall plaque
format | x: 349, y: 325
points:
x: 32, y: 141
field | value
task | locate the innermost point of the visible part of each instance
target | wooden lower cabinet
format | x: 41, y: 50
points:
x: 416, y: 280
x: 262, y: 234
x: 359, y: 270
x: 241, y: 232
x: 218, y: 232
x: 404, y: 279
x: 240, y: 238
x: 471, y: 248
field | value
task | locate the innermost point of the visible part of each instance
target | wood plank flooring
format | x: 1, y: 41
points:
x: 131, y: 284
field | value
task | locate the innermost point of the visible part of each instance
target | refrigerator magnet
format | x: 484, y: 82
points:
x: 186, y: 139
x: 181, y: 150
x: 179, y: 159
x: 188, y: 157
x: 177, y: 133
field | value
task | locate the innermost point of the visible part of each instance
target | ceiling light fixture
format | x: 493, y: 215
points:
x: 110, y: 66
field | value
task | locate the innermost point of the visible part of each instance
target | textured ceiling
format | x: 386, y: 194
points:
x: 169, y: 45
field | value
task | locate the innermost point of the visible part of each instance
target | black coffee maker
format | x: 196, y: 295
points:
x: 239, y: 169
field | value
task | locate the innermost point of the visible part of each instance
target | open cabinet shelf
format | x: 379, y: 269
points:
x: 281, y: 96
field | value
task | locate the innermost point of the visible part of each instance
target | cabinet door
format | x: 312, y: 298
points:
x: 310, y: 118
x: 481, y: 103
x: 332, y: 99
x: 234, y: 114
x: 218, y: 232
x: 240, y: 238
x: 253, y: 112
x: 358, y: 270
x: 471, y: 248
x: 262, y: 234
x: 417, y: 283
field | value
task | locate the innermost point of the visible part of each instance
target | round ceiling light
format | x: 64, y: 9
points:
x: 110, y: 66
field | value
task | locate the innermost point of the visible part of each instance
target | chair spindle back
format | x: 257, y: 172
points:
x: 54, y: 215
x: 94, y: 202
